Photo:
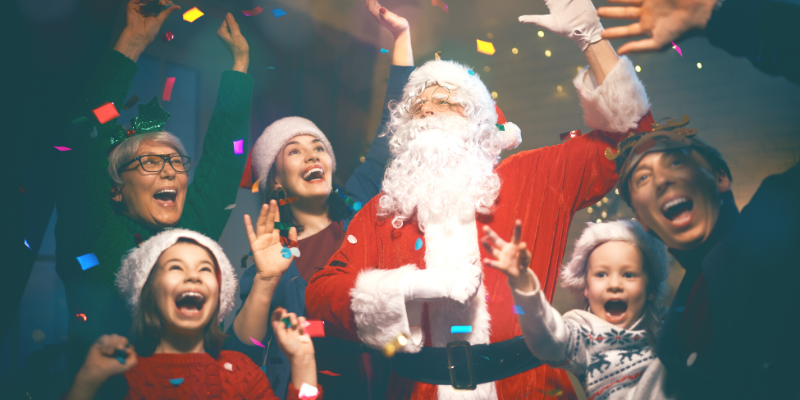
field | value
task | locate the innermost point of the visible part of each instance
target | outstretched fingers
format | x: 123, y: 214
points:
x: 620, y: 12
x: 640, y: 45
x: 619, y: 32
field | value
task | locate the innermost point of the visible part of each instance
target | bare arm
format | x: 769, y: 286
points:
x: 403, y: 55
x: 602, y: 58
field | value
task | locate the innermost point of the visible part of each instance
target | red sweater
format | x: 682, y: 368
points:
x: 232, y: 376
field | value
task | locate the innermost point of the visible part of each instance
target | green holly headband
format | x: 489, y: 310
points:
x: 151, y: 119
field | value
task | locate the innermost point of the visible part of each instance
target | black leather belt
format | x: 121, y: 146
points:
x: 460, y: 364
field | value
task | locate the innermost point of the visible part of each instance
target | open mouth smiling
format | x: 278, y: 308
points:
x: 314, y: 174
x: 166, y: 197
x: 616, y: 309
x: 190, y: 303
x: 678, y: 210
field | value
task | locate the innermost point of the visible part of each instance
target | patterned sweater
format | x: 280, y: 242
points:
x: 86, y: 222
x: 607, y: 360
x: 231, y: 376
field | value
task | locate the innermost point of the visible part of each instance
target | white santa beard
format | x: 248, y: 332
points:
x: 446, y: 177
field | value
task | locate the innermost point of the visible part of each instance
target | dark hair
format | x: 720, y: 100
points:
x: 652, y: 310
x: 337, y: 208
x: 712, y: 156
x: 147, y: 324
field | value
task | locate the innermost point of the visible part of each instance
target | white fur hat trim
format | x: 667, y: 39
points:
x: 512, y: 136
x: 275, y: 137
x: 573, y: 274
x: 137, y: 264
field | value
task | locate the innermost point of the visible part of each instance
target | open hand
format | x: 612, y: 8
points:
x: 265, y: 242
x: 235, y: 42
x: 101, y: 363
x: 576, y: 20
x: 292, y: 340
x: 512, y: 258
x: 664, y: 21
x: 389, y: 20
x: 140, y: 30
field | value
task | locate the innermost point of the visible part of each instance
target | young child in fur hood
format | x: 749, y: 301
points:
x: 181, y: 286
x: 621, y: 274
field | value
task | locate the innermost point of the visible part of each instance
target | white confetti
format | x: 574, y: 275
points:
x: 351, y: 239
x: 690, y: 361
x: 230, y: 207
x: 295, y: 251
x: 229, y: 366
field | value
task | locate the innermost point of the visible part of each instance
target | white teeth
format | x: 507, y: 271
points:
x: 188, y: 294
x: 309, y: 172
x: 167, y: 191
x: 673, y: 203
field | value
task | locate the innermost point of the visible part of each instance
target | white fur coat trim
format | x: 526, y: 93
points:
x: 616, y: 105
x: 139, y: 261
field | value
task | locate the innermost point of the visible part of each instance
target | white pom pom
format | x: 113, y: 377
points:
x: 512, y: 136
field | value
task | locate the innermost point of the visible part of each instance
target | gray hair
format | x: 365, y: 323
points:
x: 127, y: 150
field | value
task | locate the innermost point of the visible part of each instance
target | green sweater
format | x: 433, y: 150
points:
x: 86, y: 223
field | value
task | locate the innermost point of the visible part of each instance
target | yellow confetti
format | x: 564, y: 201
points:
x: 485, y: 47
x: 193, y: 14
x: 255, y: 187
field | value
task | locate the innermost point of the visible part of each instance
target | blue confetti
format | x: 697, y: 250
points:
x: 278, y: 12
x: 357, y: 205
x: 384, y: 51
x: 461, y: 329
x: 88, y: 261
x: 286, y: 252
x: 121, y: 360
x: 418, y: 244
x: 471, y: 72
x: 518, y: 310
x: 26, y: 243
x: 176, y: 381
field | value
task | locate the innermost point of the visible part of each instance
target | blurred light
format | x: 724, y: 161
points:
x: 541, y: 33
x: 579, y: 68
x: 616, y: 191
x: 599, y: 220
x: 486, y: 69
x: 590, y: 209
x: 604, y: 214
x: 559, y: 88
x: 362, y: 159
x: 599, y: 203
x: 638, y: 69
x: 494, y: 95
x: 605, y: 199
x: 489, y: 35
x: 514, y: 50
x: 699, y: 66
x: 547, y: 53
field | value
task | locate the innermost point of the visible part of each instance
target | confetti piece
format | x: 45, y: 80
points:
x: 384, y: 51
x: 286, y: 242
x: 485, y: 47
x: 130, y: 103
x: 351, y: 239
x: 286, y: 253
x: 461, y: 329
x: 275, y: 360
x: 176, y: 381
x: 551, y: 392
x: 329, y: 373
x: 238, y: 146
x: 168, y: 89
x: 62, y: 148
x: 569, y: 135
x: 87, y: 261
x: 228, y: 366
x: 284, y: 226
x: 81, y: 316
x: 336, y: 263
x: 290, y: 200
x: 418, y: 244
x: 295, y: 251
x: 257, y: 343
x: 278, y: 12
x: 267, y: 68
x: 167, y: 36
x: 26, y: 240
x: 518, y: 310
x: 308, y: 392
x: 192, y: 15
x: 440, y: 4
x: 314, y: 328
x: 677, y: 48
x: 230, y: 206
x: 253, y: 12
x: 105, y: 113
x: 286, y: 321
x: 501, y: 127
x: 437, y: 56
x: 471, y: 72
x: 255, y: 187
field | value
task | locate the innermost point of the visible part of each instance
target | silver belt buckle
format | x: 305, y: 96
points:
x: 470, y: 367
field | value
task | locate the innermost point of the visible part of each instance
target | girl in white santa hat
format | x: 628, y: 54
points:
x: 620, y: 273
x: 181, y: 286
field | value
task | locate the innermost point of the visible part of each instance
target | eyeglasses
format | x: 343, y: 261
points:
x: 156, y: 162
x: 439, y: 99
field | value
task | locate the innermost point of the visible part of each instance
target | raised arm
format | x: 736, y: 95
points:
x: 365, y: 183
x: 216, y: 179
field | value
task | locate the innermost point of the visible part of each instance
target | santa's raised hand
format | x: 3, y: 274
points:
x: 575, y: 20
x: 265, y: 243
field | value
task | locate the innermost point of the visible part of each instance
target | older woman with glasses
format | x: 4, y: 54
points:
x: 119, y: 188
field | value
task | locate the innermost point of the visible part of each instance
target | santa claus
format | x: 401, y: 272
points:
x: 411, y: 261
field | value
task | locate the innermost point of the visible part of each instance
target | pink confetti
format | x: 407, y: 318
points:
x: 257, y: 343
x: 329, y: 373
x: 168, y: 89
x: 440, y: 4
x: 252, y: 12
x: 677, y: 48
x: 167, y: 36
x: 238, y: 146
x: 62, y: 148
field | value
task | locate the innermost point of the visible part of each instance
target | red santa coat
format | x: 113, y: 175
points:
x: 358, y: 295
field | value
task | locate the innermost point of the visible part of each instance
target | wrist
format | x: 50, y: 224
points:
x: 130, y: 46
x: 524, y: 283
x: 241, y: 64
x: 89, y: 379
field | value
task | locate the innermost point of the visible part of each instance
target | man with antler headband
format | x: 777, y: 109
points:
x: 739, y: 267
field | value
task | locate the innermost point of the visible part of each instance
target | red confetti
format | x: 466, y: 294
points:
x: 105, y: 113
x: 21, y: 189
x: 314, y: 328
x: 81, y: 317
x: 168, y: 89
x: 440, y: 4
x: 290, y: 200
x: 286, y: 242
x: 168, y: 36
x: 329, y: 373
x: 252, y: 12
x: 131, y: 102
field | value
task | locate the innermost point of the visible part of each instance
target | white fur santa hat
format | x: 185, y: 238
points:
x: 270, y: 143
x: 573, y: 274
x: 469, y: 87
x: 137, y: 264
